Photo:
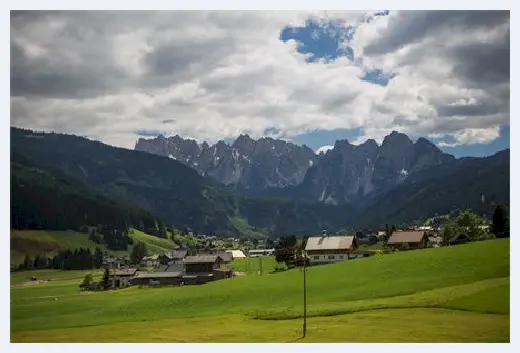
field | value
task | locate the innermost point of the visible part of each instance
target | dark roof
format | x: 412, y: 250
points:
x: 126, y: 272
x: 401, y: 237
x: 201, y: 259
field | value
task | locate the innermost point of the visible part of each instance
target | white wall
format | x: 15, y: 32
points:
x: 317, y: 259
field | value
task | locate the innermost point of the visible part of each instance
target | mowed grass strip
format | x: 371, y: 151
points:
x: 381, y: 277
x: 393, y: 325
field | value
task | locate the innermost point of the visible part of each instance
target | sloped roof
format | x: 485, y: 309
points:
x: 236, y: 253
x: 333, y: 242
x: 200, y: 259
x: 400, y: 237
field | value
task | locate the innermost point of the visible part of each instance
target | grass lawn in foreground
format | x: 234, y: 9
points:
x: 418, y: 288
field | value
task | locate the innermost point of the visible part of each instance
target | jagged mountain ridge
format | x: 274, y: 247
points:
x: 345, y: 173
x: 247, y: 163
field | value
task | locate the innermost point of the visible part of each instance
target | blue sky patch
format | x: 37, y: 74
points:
x: 319, y: 40
x: 378, y: 77
x: 149, y: 133
x: 318, y: 138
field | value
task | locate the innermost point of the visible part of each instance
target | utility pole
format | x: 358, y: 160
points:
x: 260, y: 258
x: 304, y: 296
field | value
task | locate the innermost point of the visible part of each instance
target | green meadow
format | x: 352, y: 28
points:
x: 451, y: 294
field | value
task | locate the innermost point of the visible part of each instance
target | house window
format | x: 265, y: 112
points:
x: 331, y: 257
x: 316, y: 257
x: 341, y: 257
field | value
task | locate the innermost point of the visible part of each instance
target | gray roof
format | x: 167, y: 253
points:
x: 332, y: 242
x: 158, y: 274
x: 201, y: 259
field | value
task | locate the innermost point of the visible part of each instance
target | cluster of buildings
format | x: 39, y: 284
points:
x: 326, y: 248
x: 173, y: 270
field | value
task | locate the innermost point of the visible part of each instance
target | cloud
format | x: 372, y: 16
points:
x: 214, y: 75
x: 324, y: 149
x: 481, y: 136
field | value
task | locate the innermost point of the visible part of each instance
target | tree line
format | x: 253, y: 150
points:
x: 76, y: 259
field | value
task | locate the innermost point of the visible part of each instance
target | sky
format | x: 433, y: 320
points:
x: 307, y: 77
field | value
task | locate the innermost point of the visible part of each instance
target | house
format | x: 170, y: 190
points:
x: 236, y: 254
x: 325, y: 249
x: 123, y: 277
x: 203, y: 268
x: 169, y: 278
x: 110, y: 261
x: 409, y: 239
x: 172, y: 257
x: 150, y: 261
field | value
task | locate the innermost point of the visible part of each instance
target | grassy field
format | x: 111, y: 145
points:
x: 454, y: 294
x: 38, y: 242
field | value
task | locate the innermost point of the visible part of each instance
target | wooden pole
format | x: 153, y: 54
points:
x: 304, y: 298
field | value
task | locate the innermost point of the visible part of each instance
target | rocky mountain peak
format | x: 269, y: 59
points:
x: 347, y: 172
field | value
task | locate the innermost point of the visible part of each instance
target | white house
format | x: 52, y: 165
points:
x: 334, y: 248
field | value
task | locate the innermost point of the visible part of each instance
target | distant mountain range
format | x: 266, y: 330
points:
x: 270, y: 187
x: 346, y: 173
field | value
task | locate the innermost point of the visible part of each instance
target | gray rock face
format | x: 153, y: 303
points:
x: 349, y: 173
x: 247, y: 163
x: 346, y: 173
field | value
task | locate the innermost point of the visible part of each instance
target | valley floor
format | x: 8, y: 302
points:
x: 405, y: 297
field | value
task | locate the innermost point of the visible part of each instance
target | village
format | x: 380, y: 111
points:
x: 181, y: 266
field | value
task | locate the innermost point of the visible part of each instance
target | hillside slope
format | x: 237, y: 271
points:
x: 430, y: 278
x: 478, y: 184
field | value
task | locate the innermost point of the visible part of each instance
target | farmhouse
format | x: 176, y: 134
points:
x: 331, y: 248
x: 172, y: 257
x: 123, y: 277
x: 204, y: 268
x: 408, y: 240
